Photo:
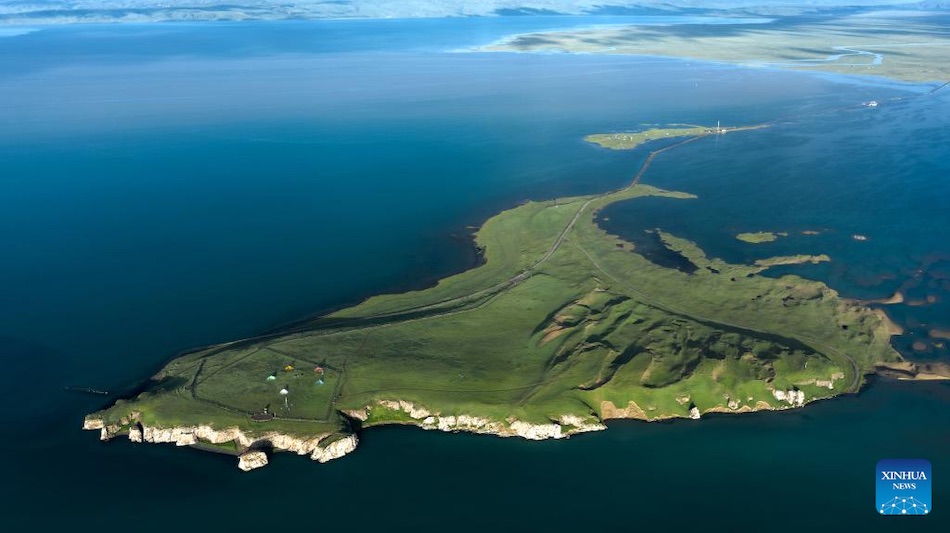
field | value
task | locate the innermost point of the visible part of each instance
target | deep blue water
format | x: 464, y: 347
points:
x: 878, y: 173
x: 168, y: 186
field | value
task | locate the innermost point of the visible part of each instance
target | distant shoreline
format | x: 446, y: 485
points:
x: 310, y: 13
x: 849, y: 45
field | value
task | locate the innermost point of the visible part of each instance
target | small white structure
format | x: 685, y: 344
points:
x: 284, y: 392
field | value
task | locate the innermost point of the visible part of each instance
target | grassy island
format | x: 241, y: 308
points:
x: 630, y: 140
x: 560, y: 329
x: 760, y: 237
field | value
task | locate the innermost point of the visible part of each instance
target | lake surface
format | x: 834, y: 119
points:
x: 169, y: 186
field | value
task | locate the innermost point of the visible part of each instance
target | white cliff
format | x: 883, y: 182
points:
x: 581, y: 424
x: 191, y: 435
x: 565, y: 426
x: 537, y: 431
x: 335, y: 449
x: 315, y: 446
x: 250, y: 460
x: 795, y: 398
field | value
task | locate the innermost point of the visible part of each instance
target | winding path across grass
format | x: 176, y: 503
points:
x: 477, y: 299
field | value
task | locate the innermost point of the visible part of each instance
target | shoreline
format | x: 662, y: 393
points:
x: 913, y: 57
x: 238, y: 13
x: 190, y: 436
x: 251, y: 443
x: 252, y: 451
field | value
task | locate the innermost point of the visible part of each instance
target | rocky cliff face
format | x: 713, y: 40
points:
x: 329, y: 446
x: 795, y: 398
x: 323, y: 448
x: 565, y: 426
x: 336, y: 449
x: 318, y: 447
x: 250, y: 460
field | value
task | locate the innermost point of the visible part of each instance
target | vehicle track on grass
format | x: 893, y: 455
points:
x: 478, y: 299
x: 468, y: 301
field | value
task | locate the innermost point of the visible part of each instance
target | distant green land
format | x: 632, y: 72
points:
x: 760, y: 236
x: 629, y: 140
x: 561, y: 328
x: 858, y: 43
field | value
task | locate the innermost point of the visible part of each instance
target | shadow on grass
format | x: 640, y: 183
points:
x: 164, y: 384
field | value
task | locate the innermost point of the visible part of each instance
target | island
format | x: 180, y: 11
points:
x: 629, y: 140
x: 759, y: 237
x: 562, y: 327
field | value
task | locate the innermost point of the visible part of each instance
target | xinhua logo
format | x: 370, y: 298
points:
x: 903, y: 487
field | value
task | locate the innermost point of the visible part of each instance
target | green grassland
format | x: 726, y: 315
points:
x: 628, y: 140
x: 561, y: 319
x: 633, y: 139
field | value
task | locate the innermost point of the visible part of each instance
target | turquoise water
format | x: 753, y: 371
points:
x: 164, y: 187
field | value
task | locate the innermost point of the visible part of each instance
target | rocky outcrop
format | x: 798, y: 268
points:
x: 609, y: 410
x: 409, y: 408
x: 358, y: 414
x: 826, y: 383
x: 335, y: 449
x: 191, y: 435
x: 180, y: 436
x: 581, y: 424
x: 472, y: 424
x: 250, y: 460
x: 762, y: 406
x: 537, y: 431
x: 564, y: 426
x: 795, y: 398
x: 106, y: 432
